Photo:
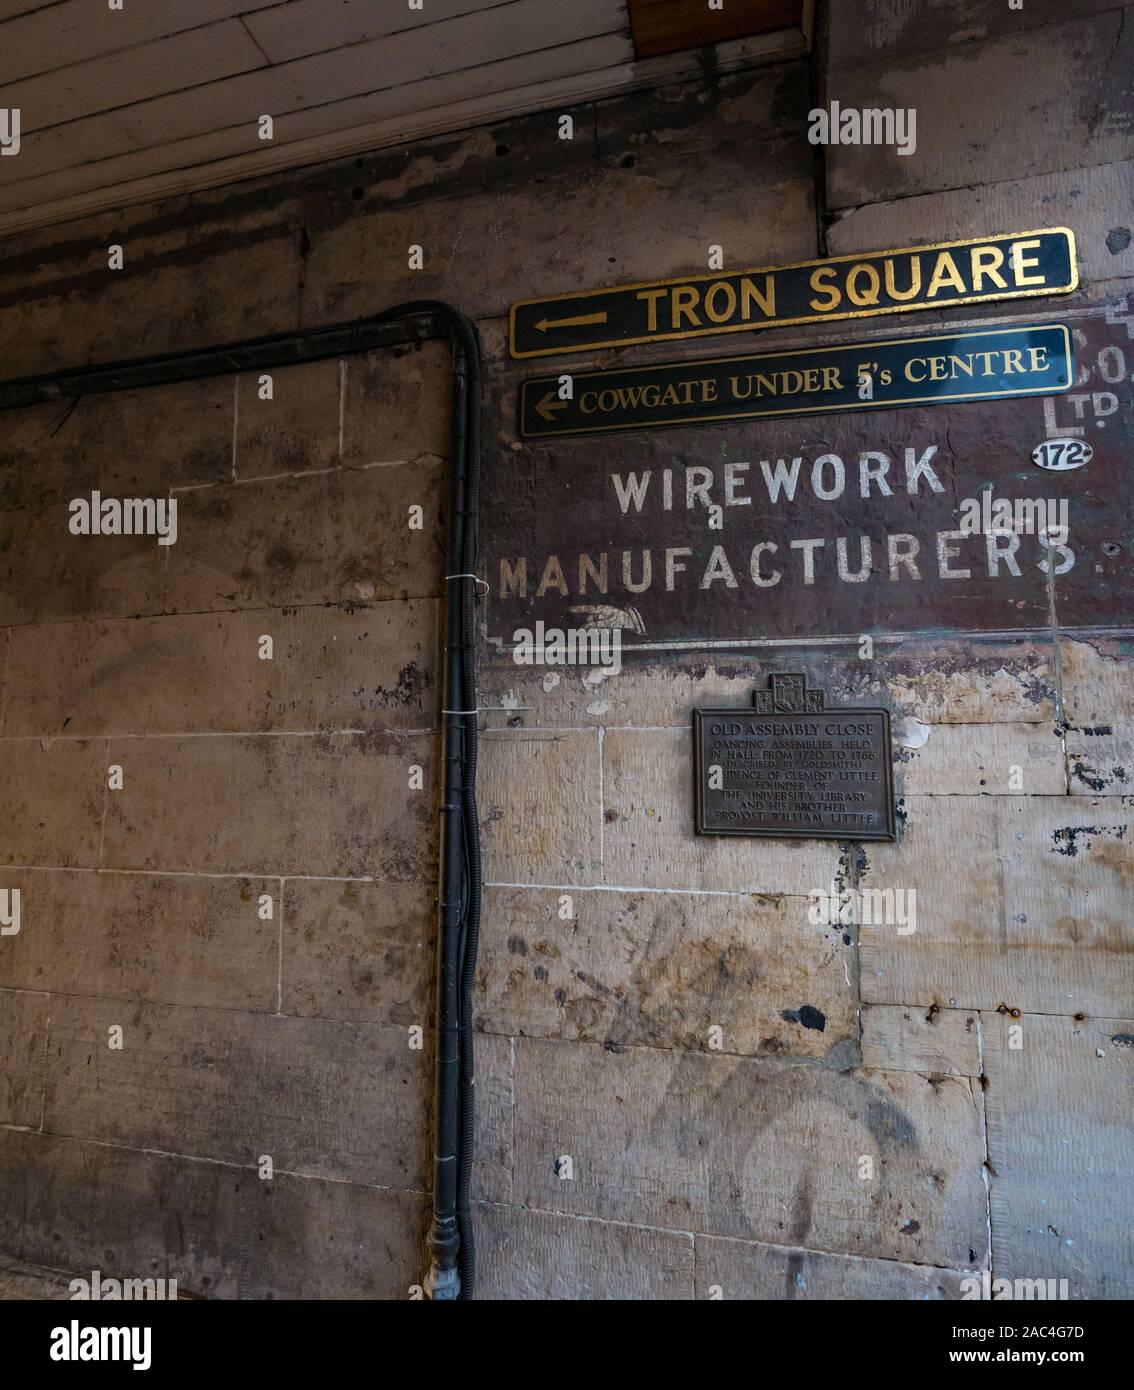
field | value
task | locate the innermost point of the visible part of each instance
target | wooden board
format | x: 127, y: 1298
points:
x: 668, y: 26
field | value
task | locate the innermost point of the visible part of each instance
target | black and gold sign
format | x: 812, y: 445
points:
x: 793, y: 768
x: 843, y: 287
x: 1034, y: 360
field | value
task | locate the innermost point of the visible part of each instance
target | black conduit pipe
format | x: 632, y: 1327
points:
x: 453, y: 1271
x: 471, y: 936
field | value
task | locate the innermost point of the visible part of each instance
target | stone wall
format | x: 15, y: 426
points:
x: 753, y: 1104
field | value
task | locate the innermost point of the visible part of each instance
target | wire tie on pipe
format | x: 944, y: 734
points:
x: 477, y: 577
x: 480, y: 709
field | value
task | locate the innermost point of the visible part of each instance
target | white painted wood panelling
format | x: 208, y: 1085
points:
x: 461, y: 45
x: 76, y: 31
x: 61, y: 98
x: 8, y: 8
x: 162, y: 97
x: 312, y: 26
x: 496, y: 82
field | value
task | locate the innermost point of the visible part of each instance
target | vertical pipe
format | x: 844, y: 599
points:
x: 444, y: 1278
x: 471, y: 934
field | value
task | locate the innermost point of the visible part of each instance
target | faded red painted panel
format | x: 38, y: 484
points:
x: 859, y: 536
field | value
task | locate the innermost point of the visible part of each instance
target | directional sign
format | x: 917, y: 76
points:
x: 844, y: 287
x: 1031, y: 361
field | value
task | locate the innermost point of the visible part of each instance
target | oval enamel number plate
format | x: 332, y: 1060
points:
x: 1059, y: 455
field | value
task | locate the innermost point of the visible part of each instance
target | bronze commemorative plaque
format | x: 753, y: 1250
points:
x: 794, y: 768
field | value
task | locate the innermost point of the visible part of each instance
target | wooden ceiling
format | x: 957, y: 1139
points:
x: 164, y: 96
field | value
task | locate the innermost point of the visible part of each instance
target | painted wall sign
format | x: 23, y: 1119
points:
x: 792, y: 769
x: 842, y: 287
x: 827, y: 526
x: 1031, y: 361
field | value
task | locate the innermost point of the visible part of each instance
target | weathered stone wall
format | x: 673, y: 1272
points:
x: 700, y: 1160
x: 245, y: 782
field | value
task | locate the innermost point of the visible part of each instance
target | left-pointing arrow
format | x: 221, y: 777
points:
x: 548, y: 405
x: 579, y: 321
